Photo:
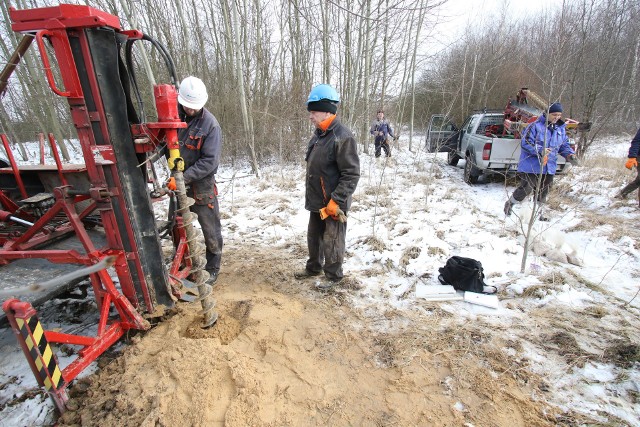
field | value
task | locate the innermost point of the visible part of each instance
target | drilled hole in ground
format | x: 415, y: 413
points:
x: 231, y: 322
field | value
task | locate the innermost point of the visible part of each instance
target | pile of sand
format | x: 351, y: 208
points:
x: 283, y: 353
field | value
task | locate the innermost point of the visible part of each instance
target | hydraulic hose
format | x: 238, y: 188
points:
x: 132, y: 77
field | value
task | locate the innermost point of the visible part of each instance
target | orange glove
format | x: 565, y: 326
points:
x: 171, y: 184
x: 631, y: 163
x: 333, y: 210
x: 545, y: 159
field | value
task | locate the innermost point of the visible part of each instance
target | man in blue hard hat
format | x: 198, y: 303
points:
x: 333, y: 171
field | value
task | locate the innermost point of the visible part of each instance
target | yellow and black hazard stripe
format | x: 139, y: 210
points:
x: 49, y: 374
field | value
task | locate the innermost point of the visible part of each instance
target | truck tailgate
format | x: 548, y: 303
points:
x: 505, y: 151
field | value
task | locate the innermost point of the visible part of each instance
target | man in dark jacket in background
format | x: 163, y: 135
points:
x: 333, y: 171
x: 381, y: 130
x: 541, y: 143
x: 200, y: 148
x: 632, y: 162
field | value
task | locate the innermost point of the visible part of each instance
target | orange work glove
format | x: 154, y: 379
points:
x: 333, y: 210
x: 171, y: 184
x: 545, y: 159
x: 631, y: 163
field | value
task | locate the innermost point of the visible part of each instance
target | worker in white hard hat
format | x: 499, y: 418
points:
x: 200, y: 148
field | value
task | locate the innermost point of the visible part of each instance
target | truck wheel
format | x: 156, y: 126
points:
x: 470, y: 174
x: 452, y: 158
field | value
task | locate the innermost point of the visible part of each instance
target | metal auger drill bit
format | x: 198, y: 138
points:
x: 198, y: 275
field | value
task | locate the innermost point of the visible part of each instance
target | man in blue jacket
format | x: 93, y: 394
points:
x: 632, y: 162
x: 542, y: 141
x: 381, y: 130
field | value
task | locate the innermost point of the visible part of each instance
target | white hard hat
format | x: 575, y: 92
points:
x: 192, y: 93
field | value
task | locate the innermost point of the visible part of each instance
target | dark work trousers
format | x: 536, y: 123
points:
x: 209, y: 219
x: 529, y: 183
x: 633, y: 185
x: 381, y: 143
x: 326, y: 242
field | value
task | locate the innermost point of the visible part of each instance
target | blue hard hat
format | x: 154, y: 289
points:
x: 323, y: 92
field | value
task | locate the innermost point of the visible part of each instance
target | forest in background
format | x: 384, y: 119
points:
x: 259, y: 59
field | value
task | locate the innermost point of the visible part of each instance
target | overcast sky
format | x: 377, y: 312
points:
x: 455, y: 15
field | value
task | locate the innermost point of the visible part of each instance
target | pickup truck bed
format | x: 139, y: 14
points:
x: 485, y: 153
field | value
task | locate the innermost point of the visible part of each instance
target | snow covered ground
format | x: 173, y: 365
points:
x: 574, y: 325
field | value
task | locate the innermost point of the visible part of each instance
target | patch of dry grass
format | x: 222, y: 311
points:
x: 535, y: 291
x: 408, y: 254
x: 623, y: 353
x: 603, y: 167
x: 587, y: 283
x: 435, y: 250
x: 373, y: 190
x: 616, y: 227
x: 567, y: 346
x: 552, y: 278
x: 595, y: 311
x: 403, y: 231
x: 374, y: 243
x: 420, y: 179
x: 557, y: 194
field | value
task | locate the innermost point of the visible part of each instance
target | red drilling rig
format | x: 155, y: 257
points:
x: 109, y: 191
x: 526, y: 108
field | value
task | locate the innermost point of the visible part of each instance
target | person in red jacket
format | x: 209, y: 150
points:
x: 632, y: 162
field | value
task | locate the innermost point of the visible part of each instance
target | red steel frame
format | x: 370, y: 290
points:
x: 35, y: 341
x: 55, y: 24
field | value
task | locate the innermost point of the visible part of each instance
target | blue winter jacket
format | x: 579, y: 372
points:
x: 536, y: 137
x: 381, y: 126
x: 634, y: 149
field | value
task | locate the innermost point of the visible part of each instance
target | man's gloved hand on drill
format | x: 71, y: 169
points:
x: 333, y: 210
x: 632, y: 162
x: 171, y: 184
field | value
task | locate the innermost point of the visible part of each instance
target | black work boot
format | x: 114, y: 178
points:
x: 305, y: 274
x: 621, y: 196
x: 508, y: 205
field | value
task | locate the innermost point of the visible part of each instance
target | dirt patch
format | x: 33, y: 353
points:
x: 284, y: 354
x: 228, y: 326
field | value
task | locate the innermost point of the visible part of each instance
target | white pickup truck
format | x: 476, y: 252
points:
x: 483, y: 151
